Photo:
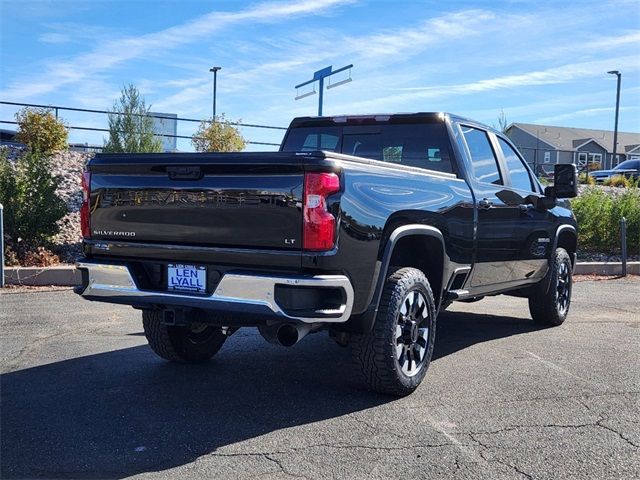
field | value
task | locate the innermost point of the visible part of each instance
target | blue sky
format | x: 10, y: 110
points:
x: 541, y: 62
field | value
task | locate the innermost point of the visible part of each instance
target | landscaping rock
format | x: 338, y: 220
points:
x: 68, y: 167
x: 613, y: 191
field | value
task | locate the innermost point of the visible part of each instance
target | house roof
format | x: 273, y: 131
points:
x: 567, y: 138
x: 631, y: 148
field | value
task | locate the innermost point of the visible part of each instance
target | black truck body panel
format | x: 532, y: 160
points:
x: 242, y: 212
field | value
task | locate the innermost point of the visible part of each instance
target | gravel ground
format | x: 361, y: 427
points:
x: 83, y: 397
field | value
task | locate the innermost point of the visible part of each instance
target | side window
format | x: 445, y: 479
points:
x: 485, y: 165
x: 320, y: 141
x: 520, y: 178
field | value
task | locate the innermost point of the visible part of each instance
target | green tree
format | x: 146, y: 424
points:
x: 130, y: 127
x: 218, y: 136
x: 31, y: 205
x: 41, y: 131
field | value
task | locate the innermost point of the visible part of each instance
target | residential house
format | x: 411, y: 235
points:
x: 545, y: 145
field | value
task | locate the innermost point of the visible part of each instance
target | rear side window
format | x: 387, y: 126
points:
x: 518, y: 173
x: 320, y: 141
x: 485, y: 165
x: 417, y: 145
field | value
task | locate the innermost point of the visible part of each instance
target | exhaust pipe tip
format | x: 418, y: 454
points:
x: 284, y: 334
x: 288, y: 335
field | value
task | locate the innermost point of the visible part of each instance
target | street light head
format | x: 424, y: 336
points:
x: 215, y: 69
x: 613, y: 72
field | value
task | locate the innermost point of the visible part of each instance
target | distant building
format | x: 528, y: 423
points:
x: 166, y: 125
x: 545, y: 145
x: 85, y: 147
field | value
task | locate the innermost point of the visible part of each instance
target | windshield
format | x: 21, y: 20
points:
x: 629, y: 165
x: 417, y: 145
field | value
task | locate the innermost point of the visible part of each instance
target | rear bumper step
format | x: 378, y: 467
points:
x: 242, y: 293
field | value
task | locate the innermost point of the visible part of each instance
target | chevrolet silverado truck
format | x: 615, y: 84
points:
x: 362, y: 226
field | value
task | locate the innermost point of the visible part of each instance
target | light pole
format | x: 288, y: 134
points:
x: 615, y: 130
x: 215, y: 81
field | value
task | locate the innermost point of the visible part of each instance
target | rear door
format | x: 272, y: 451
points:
x: 496, y: 250
x: 534, y: 227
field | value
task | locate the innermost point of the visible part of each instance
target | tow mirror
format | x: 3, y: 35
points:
x: 565, y: 182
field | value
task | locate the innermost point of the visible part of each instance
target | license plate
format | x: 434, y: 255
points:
x: 187, y: 278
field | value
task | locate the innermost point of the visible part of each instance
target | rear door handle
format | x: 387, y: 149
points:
x: 485, y: 203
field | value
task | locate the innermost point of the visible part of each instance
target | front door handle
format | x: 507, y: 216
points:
x: 485, y: 203
x: 526, y: 207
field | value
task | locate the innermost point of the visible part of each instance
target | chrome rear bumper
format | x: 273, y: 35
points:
x: 236, y: 292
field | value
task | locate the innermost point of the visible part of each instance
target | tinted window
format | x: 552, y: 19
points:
x: 629, y: 165
x: 311, y: 140
x: 520, y: 178
x: 485, y: 166
x: 416, y: 145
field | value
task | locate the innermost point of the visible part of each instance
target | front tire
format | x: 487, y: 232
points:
x: 191, y: 343
x: 394, y: 357
x: 550, y: 306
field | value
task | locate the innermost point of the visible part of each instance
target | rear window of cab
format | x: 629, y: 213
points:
x: 416, y: 145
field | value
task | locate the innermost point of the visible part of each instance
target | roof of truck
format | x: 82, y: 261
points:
x: 374, y: 118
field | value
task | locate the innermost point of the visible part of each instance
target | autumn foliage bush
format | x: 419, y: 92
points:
x: 218, y: 136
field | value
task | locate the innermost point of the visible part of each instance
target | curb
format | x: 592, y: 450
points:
x: 68, y: 276
x: 606, y: 268
x: 63, y: 275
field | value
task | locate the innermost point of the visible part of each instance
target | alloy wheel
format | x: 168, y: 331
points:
x: 563, y: 288
x: 412, y: 333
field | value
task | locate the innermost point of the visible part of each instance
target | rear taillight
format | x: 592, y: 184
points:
x: 85, y: 208
x: 319, y: 230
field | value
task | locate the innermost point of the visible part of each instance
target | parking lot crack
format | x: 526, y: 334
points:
x: 269, y: 456
x: 611, y: 429
x: 511, y: 428
x: 506, y: 464
x: 484, y: 454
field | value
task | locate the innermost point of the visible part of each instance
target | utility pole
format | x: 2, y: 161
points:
x: 319, y: 77
x: 215, y: 81
x: 615, y: 130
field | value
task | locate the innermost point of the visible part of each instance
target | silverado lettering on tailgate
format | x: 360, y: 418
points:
x: 119, y: 198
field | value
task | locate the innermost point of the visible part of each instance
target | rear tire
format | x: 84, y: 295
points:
x: 550, y: 306
x: 394, y: 357
x: 193, y: 343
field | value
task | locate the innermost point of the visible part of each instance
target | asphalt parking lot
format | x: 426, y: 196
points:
x: 82, y: 396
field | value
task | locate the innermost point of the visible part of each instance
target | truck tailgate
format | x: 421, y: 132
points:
x: 245, y: 200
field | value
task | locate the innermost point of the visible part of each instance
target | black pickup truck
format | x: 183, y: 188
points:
x: 365, y: 226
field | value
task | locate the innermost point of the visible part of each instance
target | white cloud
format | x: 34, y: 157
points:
x: 306, y: 51
x: 587, y: 112
x: 552, y: 76
x: 54, y: 38
x: 113, y: 53
x: 462, y: 24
